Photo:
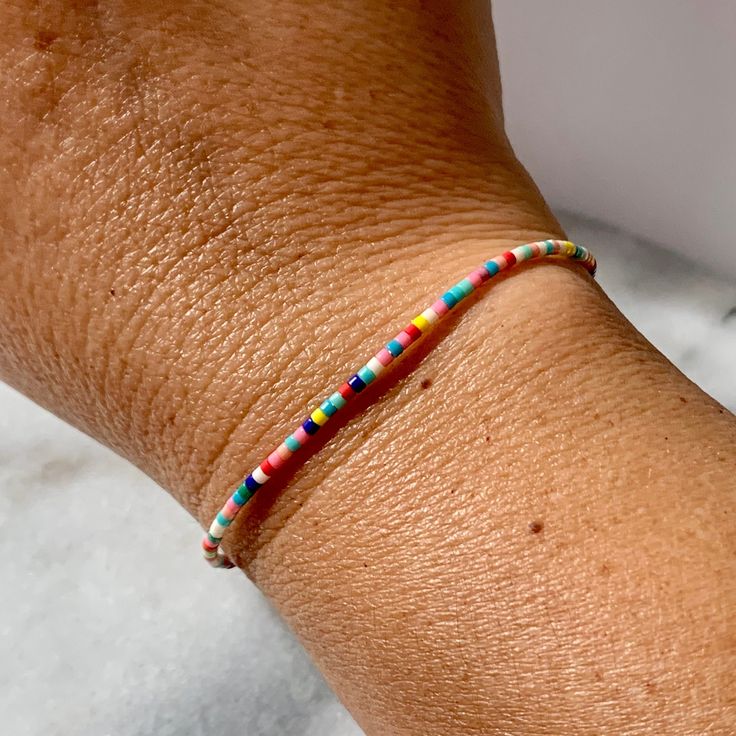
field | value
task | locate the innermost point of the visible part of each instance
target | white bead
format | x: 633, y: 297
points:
x: 375, y: 365
x: 430, y: 315
x: 217, y: 529
x: 259, y: 475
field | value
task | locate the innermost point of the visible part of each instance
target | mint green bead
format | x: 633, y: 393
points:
x: 526, y: 252
x: 366, y: 375
x: 466, y: 286
x: 337, y: 400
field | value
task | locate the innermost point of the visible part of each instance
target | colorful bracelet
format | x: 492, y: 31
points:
x: 419, y: 326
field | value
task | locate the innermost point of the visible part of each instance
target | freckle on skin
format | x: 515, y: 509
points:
x: 426, y: 383
x: 44, y: 39
x: 536, y: 526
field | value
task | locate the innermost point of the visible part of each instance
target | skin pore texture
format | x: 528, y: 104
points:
x: 213, y: 212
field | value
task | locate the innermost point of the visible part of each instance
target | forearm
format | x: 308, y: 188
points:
x: 519, y: 529
x: 176, y: 223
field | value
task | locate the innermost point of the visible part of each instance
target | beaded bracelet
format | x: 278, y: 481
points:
x: 419, y: 326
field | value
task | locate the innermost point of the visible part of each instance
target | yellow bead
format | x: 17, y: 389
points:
x: 319, y: 417
x: 421, y: 322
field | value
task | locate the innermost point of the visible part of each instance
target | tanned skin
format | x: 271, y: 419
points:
x: 212, y: 212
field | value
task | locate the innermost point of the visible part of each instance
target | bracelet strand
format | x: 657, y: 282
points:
x: 368, y: 373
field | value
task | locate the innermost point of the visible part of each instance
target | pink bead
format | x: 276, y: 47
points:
x: 230, y: 509
x: 475, y: 279
x: 440, y: 307
x: 535, y: 249
x: 284, y: 451
x: 384, y: 357
x: 501, y: 262
x: 403, y: 339
x: 301, y: 436
x: 275, y: 459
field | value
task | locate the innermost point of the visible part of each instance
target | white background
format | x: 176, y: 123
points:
x: 626, y: 111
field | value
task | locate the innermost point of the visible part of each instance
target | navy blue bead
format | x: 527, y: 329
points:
x: 252, y: 484
x: 356, y: 383
x: 310, y: 426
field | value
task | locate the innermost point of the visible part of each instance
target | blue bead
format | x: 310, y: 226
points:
x: 449, y: 298
x: 356, y: 383
x: 310, y: 426
x: 395, y: 348
x: 252, y: 484
x: 222, y: 521
x: 492, y: 268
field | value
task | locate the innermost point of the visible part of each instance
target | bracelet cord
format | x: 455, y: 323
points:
x: 368, y: 373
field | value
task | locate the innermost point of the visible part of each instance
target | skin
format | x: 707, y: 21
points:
x: 212, y: 213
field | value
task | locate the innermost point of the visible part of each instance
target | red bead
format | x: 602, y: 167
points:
x: 267, y: 468
x: 346, y: 391
x: 413, y: 331
x: 510, y: 258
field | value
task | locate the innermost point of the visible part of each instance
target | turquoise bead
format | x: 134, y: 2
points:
x: 292, y: 443
x: 458, y: 293
x: 366, y: 374
x: 395, y: 348
x: 450, y: 299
